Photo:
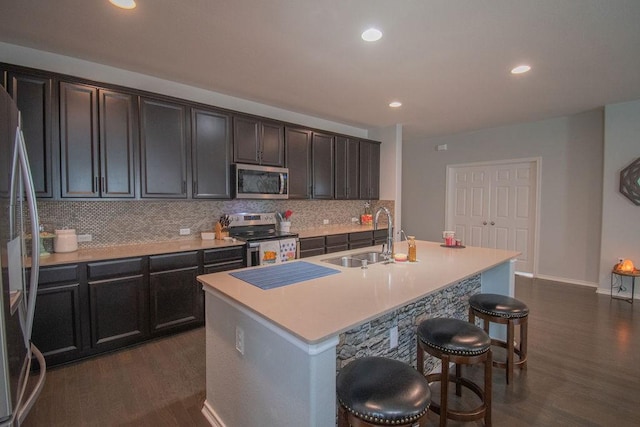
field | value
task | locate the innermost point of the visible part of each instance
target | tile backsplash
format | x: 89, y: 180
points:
x: 128, y: 222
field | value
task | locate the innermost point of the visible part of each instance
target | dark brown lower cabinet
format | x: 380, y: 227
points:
x: 311, y: 246
x: 117, y: 303
x: 337, y: 243
x: 57, y: 322
x: 361, y: 239
x: 176, y: 298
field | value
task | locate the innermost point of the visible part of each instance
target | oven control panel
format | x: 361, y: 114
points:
x: 244, y: 219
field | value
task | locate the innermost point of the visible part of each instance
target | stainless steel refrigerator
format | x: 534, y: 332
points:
x: 19, y: 238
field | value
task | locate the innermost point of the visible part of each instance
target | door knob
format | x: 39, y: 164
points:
x: 484, y: 222
x: 493, y: 223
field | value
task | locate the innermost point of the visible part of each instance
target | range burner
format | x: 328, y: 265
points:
x: 252, y: 227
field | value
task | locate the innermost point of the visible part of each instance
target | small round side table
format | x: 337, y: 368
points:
x: 617, y: 275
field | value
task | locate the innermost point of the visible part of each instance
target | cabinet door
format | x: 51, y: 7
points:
x: 298, y: 148
x: 176, y: 299
x: 57, y: 321
x: 246, y: 140
x: 118, y: 311
x: 118, y: 141
x: 347, y: 168
x: 78, y: 140
x: 163, y: 149
x: 32, y: 94
x: 272, y: 144
x: 369, y: 170
x: 211, y: 157
x: 322, y: 166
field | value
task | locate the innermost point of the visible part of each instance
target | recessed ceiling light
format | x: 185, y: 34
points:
x: 371, y: 35
x: 395, y: 104
x: 520, y: 69
x: 124, y: 4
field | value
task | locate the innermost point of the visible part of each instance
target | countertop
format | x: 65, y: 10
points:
x: 126, y: 251
x: 328, y: 230
x: 142, y: 249
x: 320, y: 308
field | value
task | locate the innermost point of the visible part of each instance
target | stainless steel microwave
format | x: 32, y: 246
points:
x: 260, y: 182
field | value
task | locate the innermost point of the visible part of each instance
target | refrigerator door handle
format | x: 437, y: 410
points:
x: 32, y: 291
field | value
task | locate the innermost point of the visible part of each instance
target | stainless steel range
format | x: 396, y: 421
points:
x: 260, y: 232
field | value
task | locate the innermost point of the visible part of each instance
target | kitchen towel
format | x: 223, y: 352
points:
x: 269, y: 252
x: 289, y: 273
x: 287, y: 250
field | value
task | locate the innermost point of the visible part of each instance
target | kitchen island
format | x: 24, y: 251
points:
x: 272, y: 356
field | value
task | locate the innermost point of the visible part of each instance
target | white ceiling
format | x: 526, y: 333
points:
x: 448, y: 61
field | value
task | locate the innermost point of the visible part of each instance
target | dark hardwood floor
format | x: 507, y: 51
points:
x: 583, y: 370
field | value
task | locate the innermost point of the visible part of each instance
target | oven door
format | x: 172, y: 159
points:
x: 257, y: 257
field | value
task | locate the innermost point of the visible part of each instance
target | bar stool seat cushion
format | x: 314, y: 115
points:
x: 498, y: 306
x: 383, y: 391
x: 453, y: 336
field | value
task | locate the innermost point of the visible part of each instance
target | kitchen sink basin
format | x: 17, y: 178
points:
x: 371, y: 257
x: 356, y: 260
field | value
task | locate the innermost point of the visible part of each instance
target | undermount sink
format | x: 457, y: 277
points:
x: 356, y: 260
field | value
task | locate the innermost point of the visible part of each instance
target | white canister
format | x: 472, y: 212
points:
x: 65, y: 241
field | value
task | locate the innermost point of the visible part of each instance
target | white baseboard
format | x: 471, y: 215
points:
x: 211, y: 416
x: 565, y: 280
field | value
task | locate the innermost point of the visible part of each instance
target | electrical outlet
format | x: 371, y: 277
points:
x: 393, y: 337
x: 240, y: 340
x: 325, y: 221
x: 84, y: 238
x: 185, y: 231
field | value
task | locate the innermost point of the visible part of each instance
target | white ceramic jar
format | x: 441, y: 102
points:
x: 66, y: 240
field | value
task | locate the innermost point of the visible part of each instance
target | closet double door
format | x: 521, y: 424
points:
x: 494, y: 206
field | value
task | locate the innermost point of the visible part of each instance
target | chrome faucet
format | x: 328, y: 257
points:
x: 387, y: 249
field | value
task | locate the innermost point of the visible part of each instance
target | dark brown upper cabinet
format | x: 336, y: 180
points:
x: 33, y: 95
x: 256, y: 141
x: 118, y: 142
x: 322, y: 169
x: 298, y: 149
x: 97, y: 142
x: 164, y: 149
x: 211, y: 154
x: 369, y: 170
x: 347, y: 168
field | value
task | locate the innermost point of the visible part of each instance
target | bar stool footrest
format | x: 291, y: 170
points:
x: 521, y: 363
x: 452, y: 414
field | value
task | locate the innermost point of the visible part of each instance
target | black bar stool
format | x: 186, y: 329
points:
x: 459, y: 342
x: 507, y: 311
x: 376, y: 391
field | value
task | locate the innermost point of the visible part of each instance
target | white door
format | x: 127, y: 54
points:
x: 494, y: 206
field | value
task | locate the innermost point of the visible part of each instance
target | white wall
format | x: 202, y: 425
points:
x: 391, y: 169
x: 27, y: 57
x: 620, y: 217
x: 571, y: 149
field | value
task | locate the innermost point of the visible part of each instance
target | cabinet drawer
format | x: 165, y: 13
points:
x: 60, y: 274
x: 121, y: 267
x: 361, y: 244
x: 312, y: 243
x: 338, y: 248
x: 380, y: 234
x: 360, y: 236
x: 212, y: 256
x: 173, y: 261
x: 312, y: 252
x: 337, y: 239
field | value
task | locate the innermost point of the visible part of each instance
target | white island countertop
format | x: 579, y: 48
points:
x: 317, y: 309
